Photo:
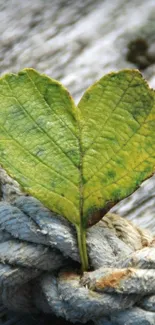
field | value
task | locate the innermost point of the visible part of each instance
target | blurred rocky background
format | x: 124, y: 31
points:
x: 77, y: 42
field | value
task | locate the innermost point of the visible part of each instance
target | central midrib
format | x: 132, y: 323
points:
x: 81, y: 177
x: 81, y: 228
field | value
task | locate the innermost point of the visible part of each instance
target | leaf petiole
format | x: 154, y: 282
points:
x: 81, y: 237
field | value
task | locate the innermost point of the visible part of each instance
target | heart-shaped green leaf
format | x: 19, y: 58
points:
x: 79, y: 161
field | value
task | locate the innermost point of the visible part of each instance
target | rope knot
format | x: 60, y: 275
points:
x: 40, y: 269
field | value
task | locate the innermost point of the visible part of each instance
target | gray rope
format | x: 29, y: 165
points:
x: 39, y: 267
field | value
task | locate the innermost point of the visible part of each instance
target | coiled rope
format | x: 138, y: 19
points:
x: 39, y: 267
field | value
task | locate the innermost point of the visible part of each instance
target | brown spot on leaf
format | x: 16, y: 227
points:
x: 97, y: 215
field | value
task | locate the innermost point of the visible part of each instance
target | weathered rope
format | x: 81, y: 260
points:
x: 39, y: 267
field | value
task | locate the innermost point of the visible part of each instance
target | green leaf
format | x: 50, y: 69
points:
x: 79, y: 161
x: 117, y: 119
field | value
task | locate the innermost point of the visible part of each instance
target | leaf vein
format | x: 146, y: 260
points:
x: 32, y: 179
x: 124, y: 145
x: 37, y: 158
x: 109, y: 117
x: 43, y: 130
